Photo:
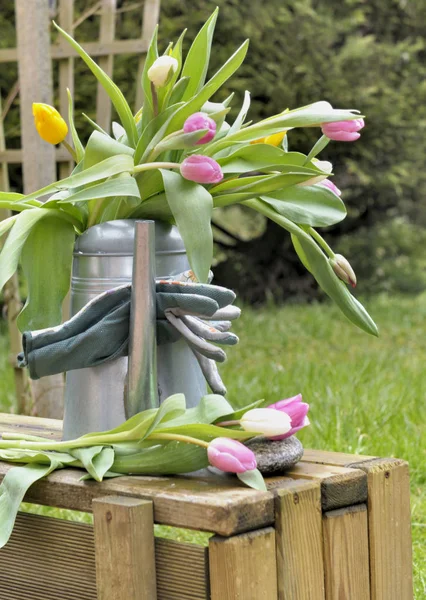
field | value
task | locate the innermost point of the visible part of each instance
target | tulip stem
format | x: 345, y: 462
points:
x: 70, y: 150
x: 154, y: 99
x: 178, y: 438
x: 227, y: 423
x: 321, y: 241
x: 317, y: 148
x: 155, y: 165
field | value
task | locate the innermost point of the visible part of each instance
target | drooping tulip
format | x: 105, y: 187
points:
x: 296, y: 410
x: 199, y: 121
x: 162, y: 70
x: 201, y: 169
x: 230, y: 456
x: 266, y: 421
x: 343, y: 269
x: 343, y: 131
x: 50, y: 126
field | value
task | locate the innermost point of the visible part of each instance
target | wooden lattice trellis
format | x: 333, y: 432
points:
x: 34, y: 55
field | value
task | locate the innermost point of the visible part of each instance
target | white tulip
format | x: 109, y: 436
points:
x: 162, y: 70
x: 268, y: 421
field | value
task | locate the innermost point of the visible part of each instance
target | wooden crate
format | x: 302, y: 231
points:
x: 335, y: 527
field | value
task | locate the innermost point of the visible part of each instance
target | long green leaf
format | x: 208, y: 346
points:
x: 313, y: 205
x: 192, y: 206
x: 207, y: 91
x: 207, y: 432
x: 46, y: 264
x: 123, y: 185
x: 253, y: 479
x: 11, y: 196
x: 115, y: 94
x: 263, y: 156
x: 12, y: 491
x: 106, y: 168
x: 169, y: 458
x: 101, y: 146
x: 320, y: 268
x: 97, y: 460
x: 238, y: 123
x: 198, y: 57
x: 78, y: 146
x: 209, y: 409
x: 149, y: 135
x: 151, y: 57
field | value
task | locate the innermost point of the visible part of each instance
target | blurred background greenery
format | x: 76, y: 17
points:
x: 365, y: 54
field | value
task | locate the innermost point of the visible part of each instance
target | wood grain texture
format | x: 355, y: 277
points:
x: 336, y: 459
x: 340, y: 486
x: 66, y: 75
x: 389, y: 526
x: 106, y: 63
x: 346, y: 559
x: 47, y: 559
x: 298, y: 526
x: 244, y: 567
x: 182, y: 571
x: 124, y: 549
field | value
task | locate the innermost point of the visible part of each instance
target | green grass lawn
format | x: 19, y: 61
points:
x: 367, y: 395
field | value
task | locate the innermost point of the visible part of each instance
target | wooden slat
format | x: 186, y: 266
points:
x: 151, y: 13
x: 47, y: 559
x: 124, y: 549
x: 66, y: 74
x: 346, y: 561
x: 243, y: 567
x: 16, y: 156
x: 298, y: 526
x: 336, y: 459
x: 340, y: 486
x: 106, y: 35
x: 182, y: 571
x: 389, y: 525
x: 93, y: 48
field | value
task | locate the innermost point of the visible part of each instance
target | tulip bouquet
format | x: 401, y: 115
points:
x: 176, y: 160
x: 168, y: 440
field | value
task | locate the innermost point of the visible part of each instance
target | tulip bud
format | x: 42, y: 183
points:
x: 343, y: 131
x: 201, y: 169
x: 199, y: 121
x: 231, y: 456
x: 330, y: 185
x: 266, y: 421
x: 273, y: 140
x: 50, y: 126
x: 343, y: 269
x: 296, y: 410
x: 162, y: 70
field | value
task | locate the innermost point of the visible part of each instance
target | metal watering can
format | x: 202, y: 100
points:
x: 102, y: 397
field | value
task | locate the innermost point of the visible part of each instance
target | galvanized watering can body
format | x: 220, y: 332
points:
x: 103, y: 259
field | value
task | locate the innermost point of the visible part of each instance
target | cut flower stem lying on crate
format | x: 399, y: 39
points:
x: 176, y: 160
x: 168, y: 440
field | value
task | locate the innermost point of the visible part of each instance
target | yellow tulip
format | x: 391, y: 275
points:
x: 50, y: 126
x: 273, y: 140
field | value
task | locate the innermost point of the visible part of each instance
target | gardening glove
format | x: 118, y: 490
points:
x: 99, y: 332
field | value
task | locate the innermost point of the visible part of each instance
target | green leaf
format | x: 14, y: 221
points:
x: 209, y: 432
x: 7, y: 224
x: 100, y: 146
x: 264, y: 156
x: 198, y: 57
x: 114, y: 93
x: 206, y: 92
x: 121, y: 185
x: 192, y: 206
x: 78, y: 146
x: 253, y: 479
x: 154, y: 132
x: 12, y: 491
x: 210, y: 408
x: 95, y: 126
x: 321, y: 269
x: 106, y: 168
x: 236, y: 415
x: 46, y: 264
x: 318, y: 147
x: 11, y: 196
x: 97, y: 460
x: 300, y: 252
x: 151, y: 57
x: 178, y: 90
x: 313, y: 205
x: 238, y: 123
x: 164, y: 458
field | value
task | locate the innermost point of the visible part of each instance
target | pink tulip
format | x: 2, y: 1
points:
x: 199, y: 121
x: 343, y: 131
x: 296, y: 410
x: 201, y: 169
x: 330, y: 185
x: 231, y: 456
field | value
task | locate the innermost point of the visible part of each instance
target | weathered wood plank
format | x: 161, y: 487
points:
x: 244, y: 567
x: 151, y: 13
x: 182, y: 570
x: 389, y: 525
x: 124, y: 549
x: 16, y: 156
x: 298, y: 526
x: 346, y: 559
x: 106, y: 35
x: 66, y: 75
x: 336, y: 459
x: 47, y: 559
x: 340, y: 486
x: 93, y: 48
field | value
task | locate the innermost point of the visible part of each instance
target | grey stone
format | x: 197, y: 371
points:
x: 275, y: 456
